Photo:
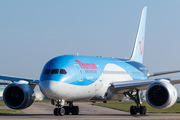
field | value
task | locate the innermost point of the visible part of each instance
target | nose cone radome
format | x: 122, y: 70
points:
x: 48, y: 88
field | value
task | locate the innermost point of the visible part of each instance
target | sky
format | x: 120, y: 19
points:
x: 34, y: 31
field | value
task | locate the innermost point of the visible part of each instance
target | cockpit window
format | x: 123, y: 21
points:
x: 63, y: 71
x: 46, y: 71
x: 55, y: 71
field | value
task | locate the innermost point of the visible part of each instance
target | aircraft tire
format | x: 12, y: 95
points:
x: 133, y: 110
x: 75, y: 110
x: 67, y: 110
x: 56, y: 113
x: 61, y: 111
x: 142, y: 110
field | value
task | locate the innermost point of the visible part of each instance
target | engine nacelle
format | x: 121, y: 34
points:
x: 161, y: 94
x: 18, y: 95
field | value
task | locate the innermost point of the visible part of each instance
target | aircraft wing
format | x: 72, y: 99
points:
x: 17, y: 79
x: 124, y: 86
x: 2, y: 83
x: 162, y: 73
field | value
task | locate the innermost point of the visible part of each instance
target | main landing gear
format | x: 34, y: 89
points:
x: 65, y: 110
x: 136, y: 109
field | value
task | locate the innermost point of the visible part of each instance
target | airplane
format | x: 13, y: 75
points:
x: 69, y: 78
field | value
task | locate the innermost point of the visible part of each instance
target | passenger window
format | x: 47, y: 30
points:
x: 55, y: 71
x: 46, y: 71
x: 63, y: 71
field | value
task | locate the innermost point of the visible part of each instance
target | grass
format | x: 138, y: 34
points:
x: 125, y: 106
x: 2, y: 103
x: 8, y: 111
x: 44, y: 100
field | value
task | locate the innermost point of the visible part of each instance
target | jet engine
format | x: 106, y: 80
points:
x: 18, y: 95
x: 161, y: 94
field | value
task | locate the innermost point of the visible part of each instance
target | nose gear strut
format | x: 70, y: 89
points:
x: 59, y: 110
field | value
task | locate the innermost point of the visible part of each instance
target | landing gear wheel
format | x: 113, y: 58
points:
x: 136, y: 109
x: 133, y: 110
x: 142, y: 110
x: 75, y: 110
x: 56, y: 113
x: 61, y: 111
x: 67, y: 110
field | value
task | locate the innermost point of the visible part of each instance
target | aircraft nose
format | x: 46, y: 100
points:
x: 48, y: 88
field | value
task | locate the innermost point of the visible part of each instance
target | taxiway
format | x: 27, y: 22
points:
x: 44, y: 111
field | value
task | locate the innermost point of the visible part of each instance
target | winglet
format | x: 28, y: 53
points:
x: 138, y: 51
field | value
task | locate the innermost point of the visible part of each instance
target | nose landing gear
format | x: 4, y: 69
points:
x: 65, y: 110
x: 59, y: 110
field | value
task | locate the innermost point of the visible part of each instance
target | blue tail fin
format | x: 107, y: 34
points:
x: 138, y: 51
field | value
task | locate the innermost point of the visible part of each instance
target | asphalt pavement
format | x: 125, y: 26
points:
x: 44, y: 111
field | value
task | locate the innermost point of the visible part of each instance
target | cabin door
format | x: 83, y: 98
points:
x: 79, y: 72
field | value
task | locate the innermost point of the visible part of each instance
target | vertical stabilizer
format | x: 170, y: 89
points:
x: 138, y: 51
